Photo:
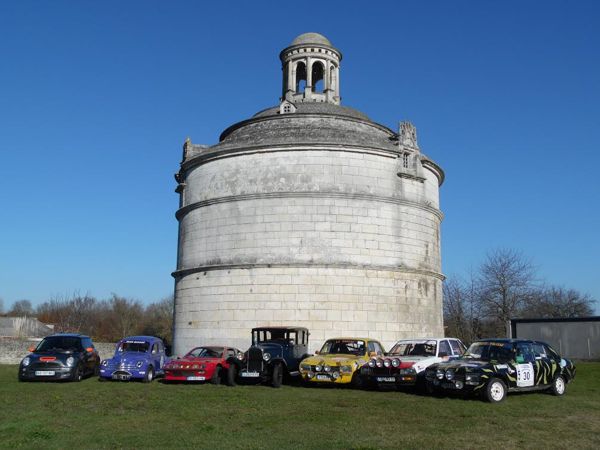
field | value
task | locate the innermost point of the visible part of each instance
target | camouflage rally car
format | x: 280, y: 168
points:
x: 494, y: 367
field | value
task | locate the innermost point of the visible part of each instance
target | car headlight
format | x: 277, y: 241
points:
x: 387, y: 363
x: 395, y: 362
x: 439, y: 374
x: 26, y: 361
x: 305, y: 367
x: 372, y: 363
x: 318, y: 367
x: 449, y: 374
x: 139, y: 364
x: 379, y: 363
x: 327, y: 368
x: 104, y: 363
x: 346, y: 369
x: 70, y: 361
x: 240, y: 356
x: 267, y: 356
x: 335, y: 375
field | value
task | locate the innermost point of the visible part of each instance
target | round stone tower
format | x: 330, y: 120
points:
x: 308, y: 214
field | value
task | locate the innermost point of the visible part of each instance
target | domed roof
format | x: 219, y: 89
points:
x: 311, y: 38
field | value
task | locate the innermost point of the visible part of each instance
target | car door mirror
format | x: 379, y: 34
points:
x: 316, y: 352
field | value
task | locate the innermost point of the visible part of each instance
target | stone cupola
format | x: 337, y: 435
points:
x: 311, y: 71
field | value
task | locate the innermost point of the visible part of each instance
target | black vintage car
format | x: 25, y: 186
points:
x: 275, y: 352
x: 494, y: 367
x: 60, y: 357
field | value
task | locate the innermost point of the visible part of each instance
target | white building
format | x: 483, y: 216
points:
x: 308, y: 214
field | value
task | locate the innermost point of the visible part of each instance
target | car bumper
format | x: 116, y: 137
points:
x: 121, y: 374
x: 183, y: 375
x: 343, y: 378
x: 57, y: 373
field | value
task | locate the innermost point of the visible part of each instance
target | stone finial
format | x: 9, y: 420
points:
x: 407, y: 135
x: 187, y: 146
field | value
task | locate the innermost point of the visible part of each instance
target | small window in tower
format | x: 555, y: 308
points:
x: 300, y: 77
x: 405, y: 160
x: 317, y: 76
x: 287, y: 108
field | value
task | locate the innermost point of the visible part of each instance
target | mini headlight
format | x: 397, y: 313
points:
x: 70, y: 361
x: 327, y: 368
x: 139, y: 364
x: 104, y: 362
x: 372, y: 363
x: 439, y: 374
x: 395, y: 362
x: 26, y: 361
x: 267, y: 356
x: 379, y: 363
x: 387, y: 363
x: 318, y: 367
x: 449, y: 374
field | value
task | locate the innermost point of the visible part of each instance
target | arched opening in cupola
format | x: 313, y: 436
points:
x: 300, y: 77
x: 318, y: 72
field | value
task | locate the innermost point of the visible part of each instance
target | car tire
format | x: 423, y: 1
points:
x: 216, y: 377
x: 231, y: 375
x: 149, y: 375
x: 357, y: 382
x: 277, y: 377
x: 77, y: 374
x: 495, y: 391
x: 559, y: 386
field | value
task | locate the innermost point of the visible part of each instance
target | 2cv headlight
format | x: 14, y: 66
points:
x: 267, y: 356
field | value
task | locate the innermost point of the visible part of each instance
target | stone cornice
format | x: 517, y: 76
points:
x: 433, y: 167
x: 310, y: 194
x: 184, y: 272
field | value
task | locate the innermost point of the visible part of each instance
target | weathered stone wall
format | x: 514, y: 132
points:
x: 327, y: 238
x: 13, y: 350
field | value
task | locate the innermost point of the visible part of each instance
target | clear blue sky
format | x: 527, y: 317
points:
x: 96, y: 99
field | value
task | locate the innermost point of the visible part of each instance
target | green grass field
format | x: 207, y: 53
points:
x: 91, y: 414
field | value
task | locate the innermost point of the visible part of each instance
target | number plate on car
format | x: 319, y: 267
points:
x: 250, y: 374
x: 120, y: 376
x: 386, y: 379
x: 196, y: 378
x: 323, y: 377
x: 44, y: 373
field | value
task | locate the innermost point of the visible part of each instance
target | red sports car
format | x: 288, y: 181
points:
x: 214, y: 364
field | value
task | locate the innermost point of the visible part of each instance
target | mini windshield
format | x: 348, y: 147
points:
x: 134, y: 346
x: 501, y: 352
x: 206, y: 352
x: 343, y: 347
x: 59, y: 343
x: 414, y: 348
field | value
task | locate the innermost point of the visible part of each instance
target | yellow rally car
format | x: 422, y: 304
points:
x: 339, y: 361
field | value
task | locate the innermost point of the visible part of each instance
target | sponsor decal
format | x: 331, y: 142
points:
x: 524, y: 375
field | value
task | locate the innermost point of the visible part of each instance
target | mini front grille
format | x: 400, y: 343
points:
x: 46, y: 365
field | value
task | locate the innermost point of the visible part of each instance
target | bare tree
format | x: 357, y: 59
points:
x: 1, y: 306
x: 462, y: 309
x: 21, y: 308
x: 506, y: 280
x: 125, y: 316
x: 158, y: 319
x: 553, y: 302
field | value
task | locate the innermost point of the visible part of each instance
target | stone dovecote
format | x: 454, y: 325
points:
x: 308, y: 214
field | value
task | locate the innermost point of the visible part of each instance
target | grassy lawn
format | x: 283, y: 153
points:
x: 91, y: 414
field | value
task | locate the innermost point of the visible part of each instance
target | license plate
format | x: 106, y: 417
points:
x: 323, y: 377
x: 44, y: 373
x: 250, y: 374
x: 386, y: 379
x: 121, y: 377
x: 196, y: 378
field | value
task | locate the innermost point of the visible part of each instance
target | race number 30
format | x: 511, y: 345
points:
x: 524, y: 375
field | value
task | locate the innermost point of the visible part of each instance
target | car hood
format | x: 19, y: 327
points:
x: 463, y: 363
x: 130, y: 357
x: 335, y: 360
x: 271, y: 347
x: 196, y: 360
x: 418, y: 363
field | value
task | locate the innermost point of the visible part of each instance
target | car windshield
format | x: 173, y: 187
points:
x: 414, y: 348
x: 59, y: 343
x: 134, y: 346
x: 206, y: 352
x: 490, y: 351
x: 343, y: 347
x: 282, y: 336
